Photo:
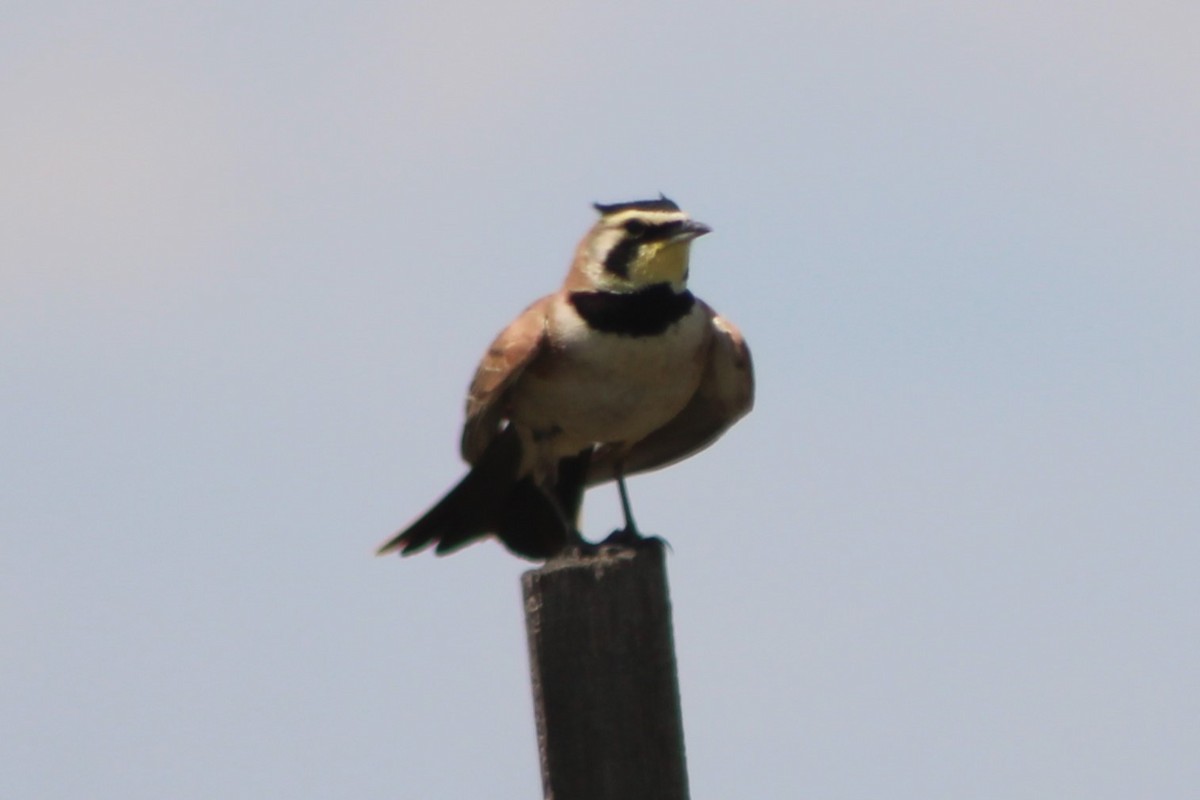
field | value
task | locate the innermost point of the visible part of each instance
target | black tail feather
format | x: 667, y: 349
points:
x: 491, y: 500
x: 529, y: 524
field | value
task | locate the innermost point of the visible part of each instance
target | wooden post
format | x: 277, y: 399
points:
x: 605, y: 691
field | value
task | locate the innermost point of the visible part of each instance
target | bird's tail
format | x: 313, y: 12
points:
x: 490, y: 499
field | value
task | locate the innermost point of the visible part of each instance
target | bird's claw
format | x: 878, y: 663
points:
x: 621, y: 539
x: 633, y: 539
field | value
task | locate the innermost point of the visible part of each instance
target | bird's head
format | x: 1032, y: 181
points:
x: 634, y: 245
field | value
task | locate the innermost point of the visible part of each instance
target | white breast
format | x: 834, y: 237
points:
x: 596, y: 387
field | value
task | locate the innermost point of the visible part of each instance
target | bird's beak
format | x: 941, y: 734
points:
x: 692, y: 230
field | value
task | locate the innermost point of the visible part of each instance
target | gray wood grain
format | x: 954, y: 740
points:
x: 606, y: 694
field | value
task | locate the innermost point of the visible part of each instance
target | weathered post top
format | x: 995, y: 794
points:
x: 602, y: 660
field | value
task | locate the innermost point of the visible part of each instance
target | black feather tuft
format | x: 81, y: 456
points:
x: 663, y: 203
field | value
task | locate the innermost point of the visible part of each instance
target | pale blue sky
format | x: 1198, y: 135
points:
x: 250, y: 254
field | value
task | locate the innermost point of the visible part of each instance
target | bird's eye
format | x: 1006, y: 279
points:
x: 635, y: 227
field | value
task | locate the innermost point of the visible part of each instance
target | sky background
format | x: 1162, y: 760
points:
x: 251, y: 253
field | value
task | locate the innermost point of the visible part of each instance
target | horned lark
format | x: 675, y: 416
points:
x: 620, y: 371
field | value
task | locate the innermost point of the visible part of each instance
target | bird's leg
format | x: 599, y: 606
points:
x: 630, y: 526
x: 629, y: 536
x: 567, y: 494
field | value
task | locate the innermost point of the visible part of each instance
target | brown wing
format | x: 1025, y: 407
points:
x: 725, y: 395
x: 510, y: 353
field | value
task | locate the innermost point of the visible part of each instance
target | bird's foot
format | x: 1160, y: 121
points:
x: 623, y: 539
x: 633, y: 539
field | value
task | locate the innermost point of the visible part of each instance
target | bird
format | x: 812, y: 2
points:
x: 622, y: 370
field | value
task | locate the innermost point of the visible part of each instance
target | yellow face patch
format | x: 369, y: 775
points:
x: 661, y: 262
